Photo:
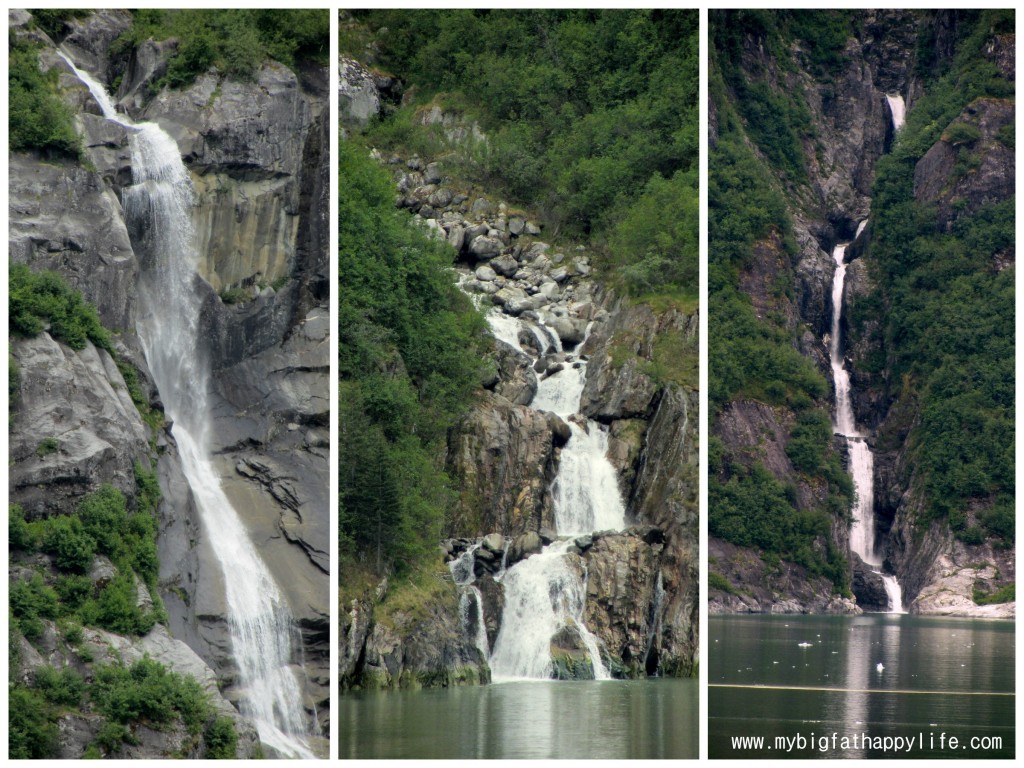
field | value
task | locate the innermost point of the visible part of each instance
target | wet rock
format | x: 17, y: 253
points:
x: 868, y: 587
x: 525, y: 545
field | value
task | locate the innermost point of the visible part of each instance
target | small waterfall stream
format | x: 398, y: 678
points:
x: 545, y: 593
x: 862, y: 531
x: 260, y: 622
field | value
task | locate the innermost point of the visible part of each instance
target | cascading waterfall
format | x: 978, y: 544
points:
x: 471, y: 605
x: 161, y: 198
x: 544, y: 593
x: 862, y: 531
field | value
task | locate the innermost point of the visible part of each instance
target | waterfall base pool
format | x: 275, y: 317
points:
x: 655, y: 718
x: 921, y: 679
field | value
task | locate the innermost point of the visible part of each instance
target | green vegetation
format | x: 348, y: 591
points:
x: 411, y: 352
x: 755, y: 357
x: 948, y: 328
x: 37, y: 118
x: 1005, y: 594
x: 145, y: 692
x: 719, y: 582
x: 590, y: 116
x: 235, y: 41
x: 47, y: 446
x: 43, y: 300
x: 51, y: 20
x: 101, y: 525
x: 221, y: 739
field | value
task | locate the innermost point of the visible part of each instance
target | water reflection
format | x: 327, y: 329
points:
x: 875, y: 675
x: 535, y: 719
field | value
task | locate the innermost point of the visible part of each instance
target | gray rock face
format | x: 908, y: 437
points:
x: 88, y: 39
x: 261, y: 173
x: 502, y: 456
x: 358, y: 98
x: 621, y: 610
x: 79, y: 400
x: 868, y: 587
x: 755, y: 588
x: 428, y: 651
x: 957, y: 193
x: 65, y: 218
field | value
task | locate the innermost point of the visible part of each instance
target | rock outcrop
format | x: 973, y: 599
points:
x: 504, y: 456
x: 258, y: 155
x: 971, y: 165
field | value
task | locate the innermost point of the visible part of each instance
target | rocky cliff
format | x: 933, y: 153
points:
x: 641, y: 584
x: 257, y: 154
x: 846, y: 126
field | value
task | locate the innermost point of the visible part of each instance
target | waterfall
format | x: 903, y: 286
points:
x: 897, y: 109
x: 471, y: 605
x: 586, y: 490
x: 862, y: 531
x: 544, y: 594
x: 260, y: 624
x: 894, y: 591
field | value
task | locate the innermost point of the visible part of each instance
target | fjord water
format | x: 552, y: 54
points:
x: 775, y: 676
x: 532, y: 719
x: 159, y: 204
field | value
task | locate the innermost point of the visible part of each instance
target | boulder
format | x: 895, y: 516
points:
x: 483, y: 247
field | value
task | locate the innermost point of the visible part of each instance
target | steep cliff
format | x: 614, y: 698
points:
x: 816, y: 99
x: 257, y: 153
x: 504, y: 451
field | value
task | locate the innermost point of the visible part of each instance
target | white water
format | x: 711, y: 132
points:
x: 862, y: 531
x: 260, y: 623
x: 897, y: 109
x: 894, y: 591
x: 543, y: 593
x: 586, y: 490
x: 471, y: 606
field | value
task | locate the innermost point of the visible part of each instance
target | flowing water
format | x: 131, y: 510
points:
x: 826, y: 678
x: 897, y: 108
x: 654, y: 718
x: 545, y: 593
x: 862, y: 531
x: 160, y: 202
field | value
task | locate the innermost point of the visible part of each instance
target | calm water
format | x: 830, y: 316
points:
x: 938, y: 676
x: 613, y: 719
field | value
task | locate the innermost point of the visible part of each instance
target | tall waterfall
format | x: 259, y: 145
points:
x: 545, y: 593
x: 160, y: 199
x: 862, y: 532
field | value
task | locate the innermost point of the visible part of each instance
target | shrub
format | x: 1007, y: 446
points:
x: 21, y: 534
x: 961, y: 133
x: 147, y: 691
x: 40, y: 298
x: 221, y: 739
x: 117, y: 608
x: 31, y: 733
x: 31, y: 601
x: 37, y: 117
x: 47, y: 446
x: 63, y: 688
x: 67, y: 540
